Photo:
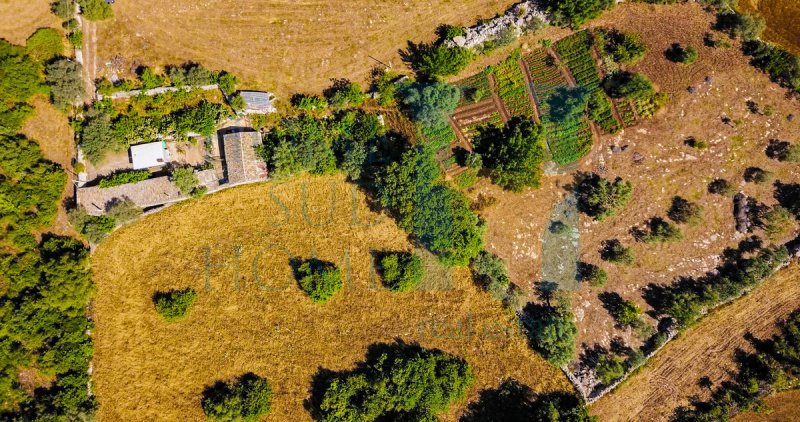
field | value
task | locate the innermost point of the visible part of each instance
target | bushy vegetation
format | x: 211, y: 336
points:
x: 757, y: 175
x: 439, y: 60
x: 783, y: 151
x: 600, y: 198
x: 568, y: 103
x: 782, y: 66
x: 574, y: 13
x: 124, y: 211
x: 185, y: 180
x: 431, y: 104
x: 490, y: 272
x: 125, y: 177
x: 96, y: 10
x: 320, y: 146
x: 684, y: 211
x: 173, y: 305
x: 513, y: 401
x: 721, y: 187
x: 614, y: 251
x: 20, y: 75
x: 64, y: 9
x: 344, y: 93
x: 777, y: 221
x: 551, y: 330
x: 628, y: 85
x: 514, y: 154
x: 309, y: 102
x: 686, y: 300
x: 45, y: 44
x: 609, y: 368
x: 788, y: 195
x: 386, y: 86
x: 622, y: 46
x: 594, y: 275
x: 771, y: 368
x: 320, y: 280
x: 248, y: 398
x: 431, y: 381
x: 401, y: 271
x: 93, y: 228
x: 430, y: 210
x: 747, y: 26
x: 65, y: 79
x: 658, y: 230
x: 680, y: 54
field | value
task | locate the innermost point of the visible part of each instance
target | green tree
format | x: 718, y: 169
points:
x: 600, y: 198
x: 747, y: 26
x: 185, y: 180
x: 45, y: 44
x: 248, y: 398
x: 574, y: 13
x: 344, y: 93
x: 13, y: 117
x: 614, y: 251
x: 514, y: 154
x: 609, y: 368
x: 64, y: 9
x: 96, y: 10
x: 431, y: 104
x: 20, y: 75
x: 173, y: 305
x: 397, y: 382
x: 568, y: 103
x: 65, y: 78
x: 628, y: 85
x: 227, y: 82
x: 778, y: 221
x: 685, y: 211
x: 624, y: 47
x: 660, y: 230
x: 439, y: 60
x: 551, y: 330
x: 679, y: 54
x: 124, y: 211
x: 238, y: 103
x: 401, y: 271
x: 320, y: 280
x: 591, y: 273
x: 150, y: 79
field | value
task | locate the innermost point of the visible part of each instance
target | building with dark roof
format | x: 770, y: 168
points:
x: 241, y: 164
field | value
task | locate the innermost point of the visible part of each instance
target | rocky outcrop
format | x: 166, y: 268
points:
x: 518, y: 19
x: 741, y: 211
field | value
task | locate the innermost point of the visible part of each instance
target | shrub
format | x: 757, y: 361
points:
x: 248, y: 398
x: 431, y: 104
x: 679, y: 54
x: 628, y: 85
x: 683, y: 211
x: 20, y: 75
x: 76, y: 39
x: 448, y: 32
x: 778, y: 221
x: 94, y: 228
x: 150, y: 79
x: 45, y: 44
x: 309, y: 102
x: 386, y: 87
x: 96, y: 10
x: 124, y: 211
x: 782, y: 66
x: 696, y: 143
x: 344, y: 93
x: 401, y: 271
x: 745, y: 25
x: 320, y: 280
x: 559, y: 228
x: 574, y: 13
x: 13, y: 117
x: 594, y: 275
x: 514, y: 154
x: 659, y: 230
x: 783, y: 151
x: 431, y: 380
x: 623, y: 47
x: 184, y: 179
x: 173, y: 305
x: 125, y: 177
x: 64, y: 9
x: 757, y: 175
x: 440, y: 60
x: 721, y: 187
x: 489, y: 272
x: 600, y: 198
x: 227, y: 82
x: 65, y: 78
x: 551, y: 331
x: 609, y: 368
x: 238, y: 103
x: 97, y: 137
x: 614, y: 251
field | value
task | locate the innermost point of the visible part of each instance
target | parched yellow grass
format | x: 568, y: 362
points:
x: 146, y: 369
x: 284, y: 46
x: 706, y: 349
x: 20, y: 18
x: 781, y: 17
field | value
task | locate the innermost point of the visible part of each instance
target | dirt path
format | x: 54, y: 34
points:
x: 89, y: 52
x: 704, y: 350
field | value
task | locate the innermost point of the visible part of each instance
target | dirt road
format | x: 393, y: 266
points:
x: 89, y: 52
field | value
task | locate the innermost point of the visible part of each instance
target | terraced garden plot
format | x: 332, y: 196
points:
x: 545, y: 77
x: 626, y: 112
x: 510, y: 84
x: 469, y: 118
x: 575, y: 52
x: 474, y: 89
x: 439, y: 136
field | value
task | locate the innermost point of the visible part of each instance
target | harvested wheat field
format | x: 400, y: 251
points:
x: 251, y: 316
x: 281, y: 45
x: 19, y: 19
x: 781, y: 17
x: 706, y: 349
x: 783, y: 408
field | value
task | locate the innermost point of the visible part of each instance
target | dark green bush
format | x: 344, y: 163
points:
x: 514, y: 154
x: 551, y: 330
x: 320, y: 280
x: 94, y: 228
x: 684, y: 211
x: 431, y: 104
x: 574, y: 13
x: 614, y: 251
x: 173, y: 305
x: 401, y: 271
x: 20, y: 75
x: 782, y: 66
x: 594, y: 275
x: 45, y: 44
x: 489, y: 271
x: 623, y: 47
x: 757, y: 175
x: 248, y: 398
x: 515, y: 402
x: 344, y: 93
x: 96, y: 10
x: 659, y: 230
x: 65, y: 78
x: 125, y: 177
x: 721, y: 187
x: 375, y: 390
x: 309, y: 102
x: 600, y: 198
x: 679, y: 54
x: 628, y: 85
x: 741, y: 25
x: 609, y: 368
x: 439, y: 60
x: 64, y: 9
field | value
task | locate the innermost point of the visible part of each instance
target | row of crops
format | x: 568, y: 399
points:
x: 474, y: 89
x: 439, y: 137
x: 469, y: 126
x: 545, y: 77
x: 576, y: 53
x: 510, y: 83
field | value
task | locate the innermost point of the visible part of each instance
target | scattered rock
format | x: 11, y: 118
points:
x: 517, y: 19
x: 692, y: 89
x: 790, y: 117
x: 638, y: 158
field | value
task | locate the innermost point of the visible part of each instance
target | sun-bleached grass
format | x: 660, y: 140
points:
x: 251, y: 316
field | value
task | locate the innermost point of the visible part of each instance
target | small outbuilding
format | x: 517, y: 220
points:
x: 153, y: 154
x: 242, y: 164
x: 257, y: 102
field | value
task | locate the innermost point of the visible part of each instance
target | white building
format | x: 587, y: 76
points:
x: 153, y: 154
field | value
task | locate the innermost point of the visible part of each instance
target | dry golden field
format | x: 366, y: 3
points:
x: 284, y: 46
x: 782, y: 17
x: 706, y: 349
x: 19, y: 18
x: 146, y: 369
x: 783, y: 408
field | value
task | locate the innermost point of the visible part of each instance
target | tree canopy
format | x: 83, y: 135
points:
x: 514, y: 154
x: 431, y: 104
x: 65, y: 79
